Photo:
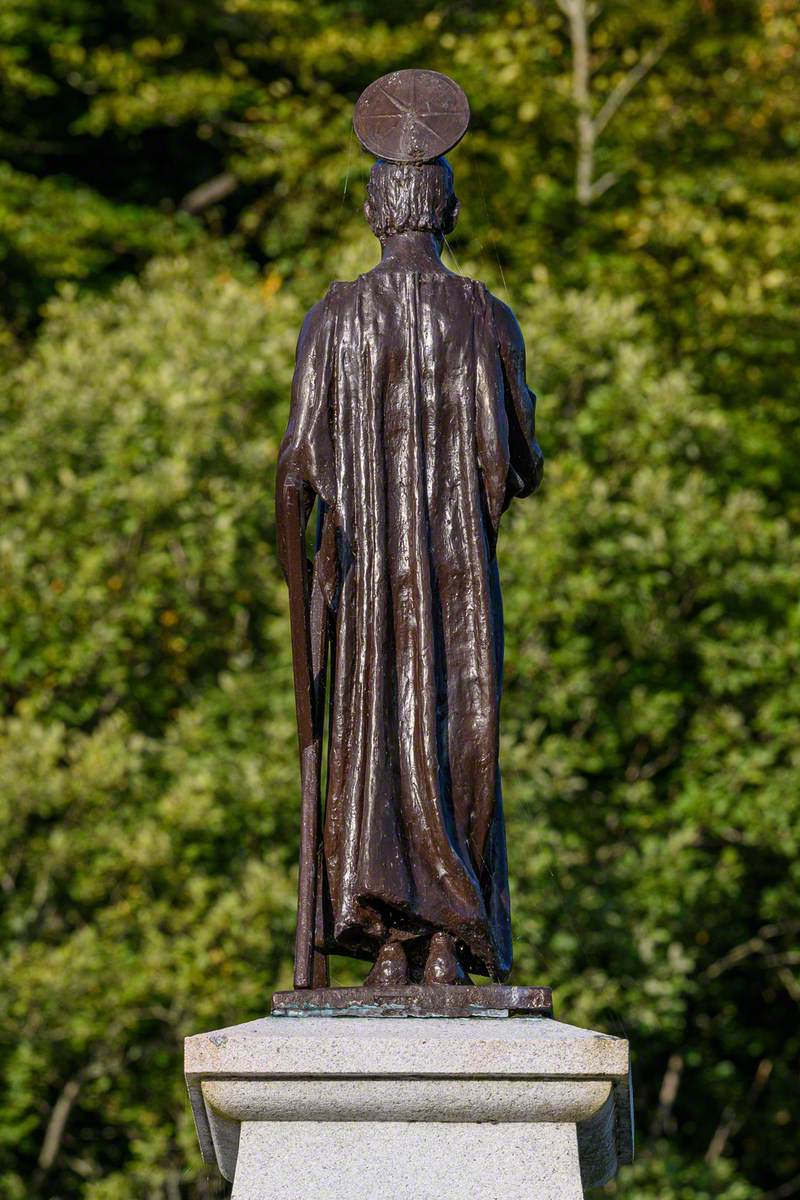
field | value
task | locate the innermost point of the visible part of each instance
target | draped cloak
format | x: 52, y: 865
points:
x: 413, y: 427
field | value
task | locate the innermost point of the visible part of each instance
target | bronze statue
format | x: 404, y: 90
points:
x: 411, y: 429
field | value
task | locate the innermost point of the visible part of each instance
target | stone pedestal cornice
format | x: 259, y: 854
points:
x: 547, y: 1096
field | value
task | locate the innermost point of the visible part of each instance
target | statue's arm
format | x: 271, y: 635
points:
x: 526, y: 458
x: 302, y: 467
x: 305, y: 471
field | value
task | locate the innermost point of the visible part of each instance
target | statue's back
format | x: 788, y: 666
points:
x: 412, y: 425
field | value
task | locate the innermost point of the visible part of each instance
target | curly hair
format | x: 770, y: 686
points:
x: 411, y: 196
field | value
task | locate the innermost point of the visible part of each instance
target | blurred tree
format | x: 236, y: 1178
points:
x: 150, y: 786
x: 148, y: 825
x: 179, y: 184
x: 235, y: 116
x: 652, y: 746
x: 590, y: 124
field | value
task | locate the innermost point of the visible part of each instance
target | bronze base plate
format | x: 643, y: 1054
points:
x: 484, y: 1000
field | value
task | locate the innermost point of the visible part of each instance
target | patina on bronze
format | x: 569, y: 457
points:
x: 487, y: 1000
x: 411, y: 430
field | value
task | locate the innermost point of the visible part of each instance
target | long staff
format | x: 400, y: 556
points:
x: 309, y: 625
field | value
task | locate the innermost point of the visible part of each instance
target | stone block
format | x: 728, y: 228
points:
x: 361, y: 1108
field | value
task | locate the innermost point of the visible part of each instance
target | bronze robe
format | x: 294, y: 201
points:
x: 412, y: 424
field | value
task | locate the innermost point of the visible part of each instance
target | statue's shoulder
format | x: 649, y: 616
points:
x: 312, y: 325
x: 503, y: 314
x: 505, y: 322
x: 322, y: 312
x: 340, y: 293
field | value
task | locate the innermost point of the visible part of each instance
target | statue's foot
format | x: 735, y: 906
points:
x: 391, y: 967
x: 442, y: 965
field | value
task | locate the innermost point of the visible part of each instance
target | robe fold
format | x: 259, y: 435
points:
x: 412, y: 424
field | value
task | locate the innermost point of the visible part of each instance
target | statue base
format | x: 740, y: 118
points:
x: 359, y: 1109
x: 486, y: 1000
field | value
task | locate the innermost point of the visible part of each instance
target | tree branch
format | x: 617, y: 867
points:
x: 589, y: 128
x: 210, y: 192
x: 59, y: 1115
x: 575, y: 11
x: 60, y: 1112
x: 754, y: 945
x: 731, y: 1122
x: 790, y: 983
x: 602, y: 184
x: 668, y: 1093
x: 623, y: 89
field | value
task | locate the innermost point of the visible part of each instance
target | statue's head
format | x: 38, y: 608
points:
x: 403, y: 197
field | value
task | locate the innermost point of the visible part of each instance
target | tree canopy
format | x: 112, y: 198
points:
x: 179, y: 183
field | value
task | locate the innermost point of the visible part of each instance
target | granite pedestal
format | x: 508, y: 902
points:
x: 289, y: 1108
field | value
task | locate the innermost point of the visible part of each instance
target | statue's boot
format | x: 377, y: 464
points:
x: 442, y: 965
x: 391, y: 967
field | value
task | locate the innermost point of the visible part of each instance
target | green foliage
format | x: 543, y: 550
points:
x: 147, y: 852
x: 652, y: 732
x: 158, y: 410
x: 52, y: 230
x: 651, y: 744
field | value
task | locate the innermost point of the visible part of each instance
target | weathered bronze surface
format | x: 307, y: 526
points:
x: 411, y: 430
x: 411, y: 116
x: 489, y: 1000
